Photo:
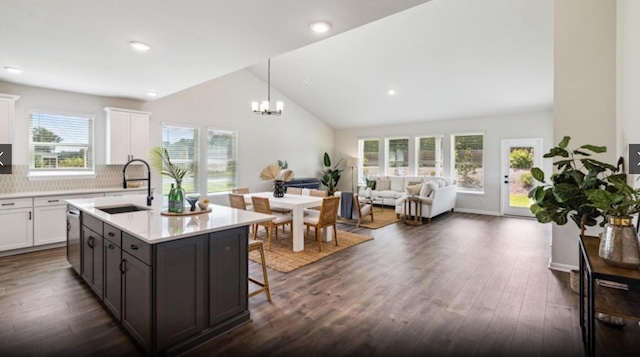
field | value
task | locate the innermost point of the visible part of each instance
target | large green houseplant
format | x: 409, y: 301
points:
x: 585, y: 189
x: 330, y: 175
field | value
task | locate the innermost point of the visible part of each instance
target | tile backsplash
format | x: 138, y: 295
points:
x: 107, y: 176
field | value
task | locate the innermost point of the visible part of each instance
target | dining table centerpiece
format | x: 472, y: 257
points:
x: 278, y: 173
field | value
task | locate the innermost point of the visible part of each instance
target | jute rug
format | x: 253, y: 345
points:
x: 282, y: 258
x: 381, y: 217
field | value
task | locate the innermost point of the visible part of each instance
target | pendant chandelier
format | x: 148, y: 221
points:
x: 264, y: 108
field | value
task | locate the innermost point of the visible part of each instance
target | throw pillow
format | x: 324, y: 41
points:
x: 426, y: 189
x: 413, y: 189
x: 411, y: 183
x: 383, y: 185
x: 371, y: 184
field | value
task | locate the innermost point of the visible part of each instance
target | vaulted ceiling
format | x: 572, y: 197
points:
x: 444, y: 58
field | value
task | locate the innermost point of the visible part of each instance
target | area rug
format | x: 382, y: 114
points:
x: 282, y: 258
x: 381, y: 217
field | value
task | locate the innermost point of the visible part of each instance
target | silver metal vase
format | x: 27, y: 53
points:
x: 619, y: 244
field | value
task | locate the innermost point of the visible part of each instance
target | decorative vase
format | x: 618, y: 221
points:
x: 278, y: 188
x: 619, y: 245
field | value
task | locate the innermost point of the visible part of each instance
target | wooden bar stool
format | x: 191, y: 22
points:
x: 264, y: 285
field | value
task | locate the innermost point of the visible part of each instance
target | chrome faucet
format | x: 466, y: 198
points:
x: 148, y: 179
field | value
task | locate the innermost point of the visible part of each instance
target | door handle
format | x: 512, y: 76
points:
x: 506, y: 182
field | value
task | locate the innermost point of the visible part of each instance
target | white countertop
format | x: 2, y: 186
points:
x: 29, y: 194
x: 152, y: 227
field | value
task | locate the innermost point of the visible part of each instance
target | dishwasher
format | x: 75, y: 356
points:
x: 73, y: 238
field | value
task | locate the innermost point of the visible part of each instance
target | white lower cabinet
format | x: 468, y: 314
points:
x: 50, y: 224
x: 50, y: 218
x: 16, y: 223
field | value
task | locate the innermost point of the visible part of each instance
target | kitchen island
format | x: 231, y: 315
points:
x: 173, y: 282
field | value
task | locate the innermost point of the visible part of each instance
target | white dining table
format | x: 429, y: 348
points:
x: 297, y: 205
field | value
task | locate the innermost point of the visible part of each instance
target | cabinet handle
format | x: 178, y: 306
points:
x: 122, y: 266
x: 134, y: 247
x: 29, y: 215
x: 52, y: 201
x: 111, y: 234
x: 90, y: 242
x: 9, y: 204
x: 111, y: 246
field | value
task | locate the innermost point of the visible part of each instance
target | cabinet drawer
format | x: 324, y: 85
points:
x: 114, y: 235
x: 16, y: 203
x: 136, y: 247
x: 50, y: 201
x: 92, y: 223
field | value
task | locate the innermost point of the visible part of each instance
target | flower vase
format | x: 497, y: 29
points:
x: 278, y: 188
x: 619, y: 245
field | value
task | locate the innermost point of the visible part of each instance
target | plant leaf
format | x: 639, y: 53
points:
x: 537, y: 174
x: 594, y: 148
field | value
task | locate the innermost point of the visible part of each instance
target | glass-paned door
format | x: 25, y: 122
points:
x: 518, y: 157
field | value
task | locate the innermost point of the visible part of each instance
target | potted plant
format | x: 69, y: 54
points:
x: 160, y: 161
x: 585, y: 189
x: 330, y: 176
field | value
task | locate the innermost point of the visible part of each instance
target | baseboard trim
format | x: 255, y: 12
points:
x: 7, y: 253
x: 561, y: 267
x: 476, y: 211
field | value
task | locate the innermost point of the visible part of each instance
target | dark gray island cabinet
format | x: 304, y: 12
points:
x: 170, y: 296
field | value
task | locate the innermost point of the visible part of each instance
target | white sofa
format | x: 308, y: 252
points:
x: 438, y: 194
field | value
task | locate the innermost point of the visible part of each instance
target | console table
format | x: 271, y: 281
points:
x: 303, y: 183
x: 617, y: 302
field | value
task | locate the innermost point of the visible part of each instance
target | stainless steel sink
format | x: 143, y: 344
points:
x: 122, y: 209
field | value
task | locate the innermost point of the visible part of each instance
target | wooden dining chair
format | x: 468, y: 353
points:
x: 261, y: 205
x: 362, y: 209
x: 327, y: 218
x: 294, y: 190
x: 243, y: 191
x: 236, y: 200
x: 317, y: 193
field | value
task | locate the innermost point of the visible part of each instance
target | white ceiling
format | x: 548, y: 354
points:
x: 445, y: 58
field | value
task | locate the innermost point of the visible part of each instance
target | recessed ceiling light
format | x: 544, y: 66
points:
x: 140, y: 46
x: 320, y: 26
x: 152, y: 94
x: 13, y: 70
x: 391, y: 92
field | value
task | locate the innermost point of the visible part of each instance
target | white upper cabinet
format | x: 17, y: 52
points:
x: 7, y: 114
x: 127, y: 135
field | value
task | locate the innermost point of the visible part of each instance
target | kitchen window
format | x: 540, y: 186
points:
x: 183, y: 145
x: 60, y: 144
x: 222, y: 153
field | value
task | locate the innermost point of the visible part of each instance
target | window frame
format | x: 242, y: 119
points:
x: 197, y: 157
x: 439, y: 149
x: 68, y: 172
x: 361, y: 174
x: 387, y: 168
x: 452, y: 171
x: 235, y: 158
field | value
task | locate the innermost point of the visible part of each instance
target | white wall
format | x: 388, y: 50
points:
x: 225, y: 103
x: 628, y: 78
x: 532, y: 125
x: 584, y: 93
x: 59, y: 101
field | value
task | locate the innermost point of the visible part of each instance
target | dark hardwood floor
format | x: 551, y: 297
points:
x: 462, y: 285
